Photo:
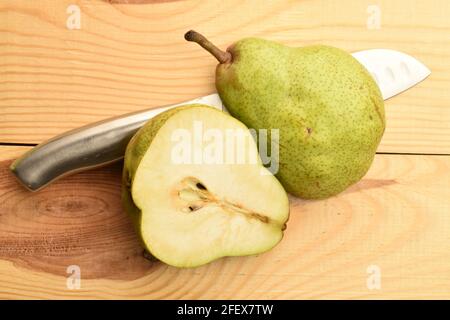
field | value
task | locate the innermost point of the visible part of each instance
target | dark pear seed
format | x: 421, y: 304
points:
x: 194, y: 207
x: 200, y: 186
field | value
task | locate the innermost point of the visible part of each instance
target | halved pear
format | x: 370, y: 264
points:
x: 188, y: 206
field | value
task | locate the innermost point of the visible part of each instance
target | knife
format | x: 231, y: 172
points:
x: 105, y: 142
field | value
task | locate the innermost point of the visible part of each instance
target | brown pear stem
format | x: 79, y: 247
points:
x: 221, y: 56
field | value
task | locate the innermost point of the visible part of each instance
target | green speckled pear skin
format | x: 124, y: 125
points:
x: 328, y: 109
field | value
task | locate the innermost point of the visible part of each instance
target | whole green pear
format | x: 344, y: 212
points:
x: 327, y: 107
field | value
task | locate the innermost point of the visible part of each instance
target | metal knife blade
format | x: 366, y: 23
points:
x: 105, y: 142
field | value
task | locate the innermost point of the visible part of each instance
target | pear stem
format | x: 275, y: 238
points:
x: 221, y: 56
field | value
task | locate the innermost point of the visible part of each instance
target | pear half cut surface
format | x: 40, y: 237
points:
x: 190, y: 209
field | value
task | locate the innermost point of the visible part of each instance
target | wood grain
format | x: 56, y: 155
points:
x: 396, y: 218
x: 130, y: 57
x: 80, y: 220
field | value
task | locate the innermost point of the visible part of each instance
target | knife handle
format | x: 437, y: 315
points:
x: 87, y: 147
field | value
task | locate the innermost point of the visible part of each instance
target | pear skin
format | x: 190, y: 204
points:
x: 328, y: 109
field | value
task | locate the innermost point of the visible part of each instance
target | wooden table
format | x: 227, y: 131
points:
x: 386, y: 237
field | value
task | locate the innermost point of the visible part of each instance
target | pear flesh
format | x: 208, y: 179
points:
x: 327, y: 107
x: 188, y: 214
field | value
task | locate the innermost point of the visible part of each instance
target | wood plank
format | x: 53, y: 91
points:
x: 397, y: 218
x: 130, y: 57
